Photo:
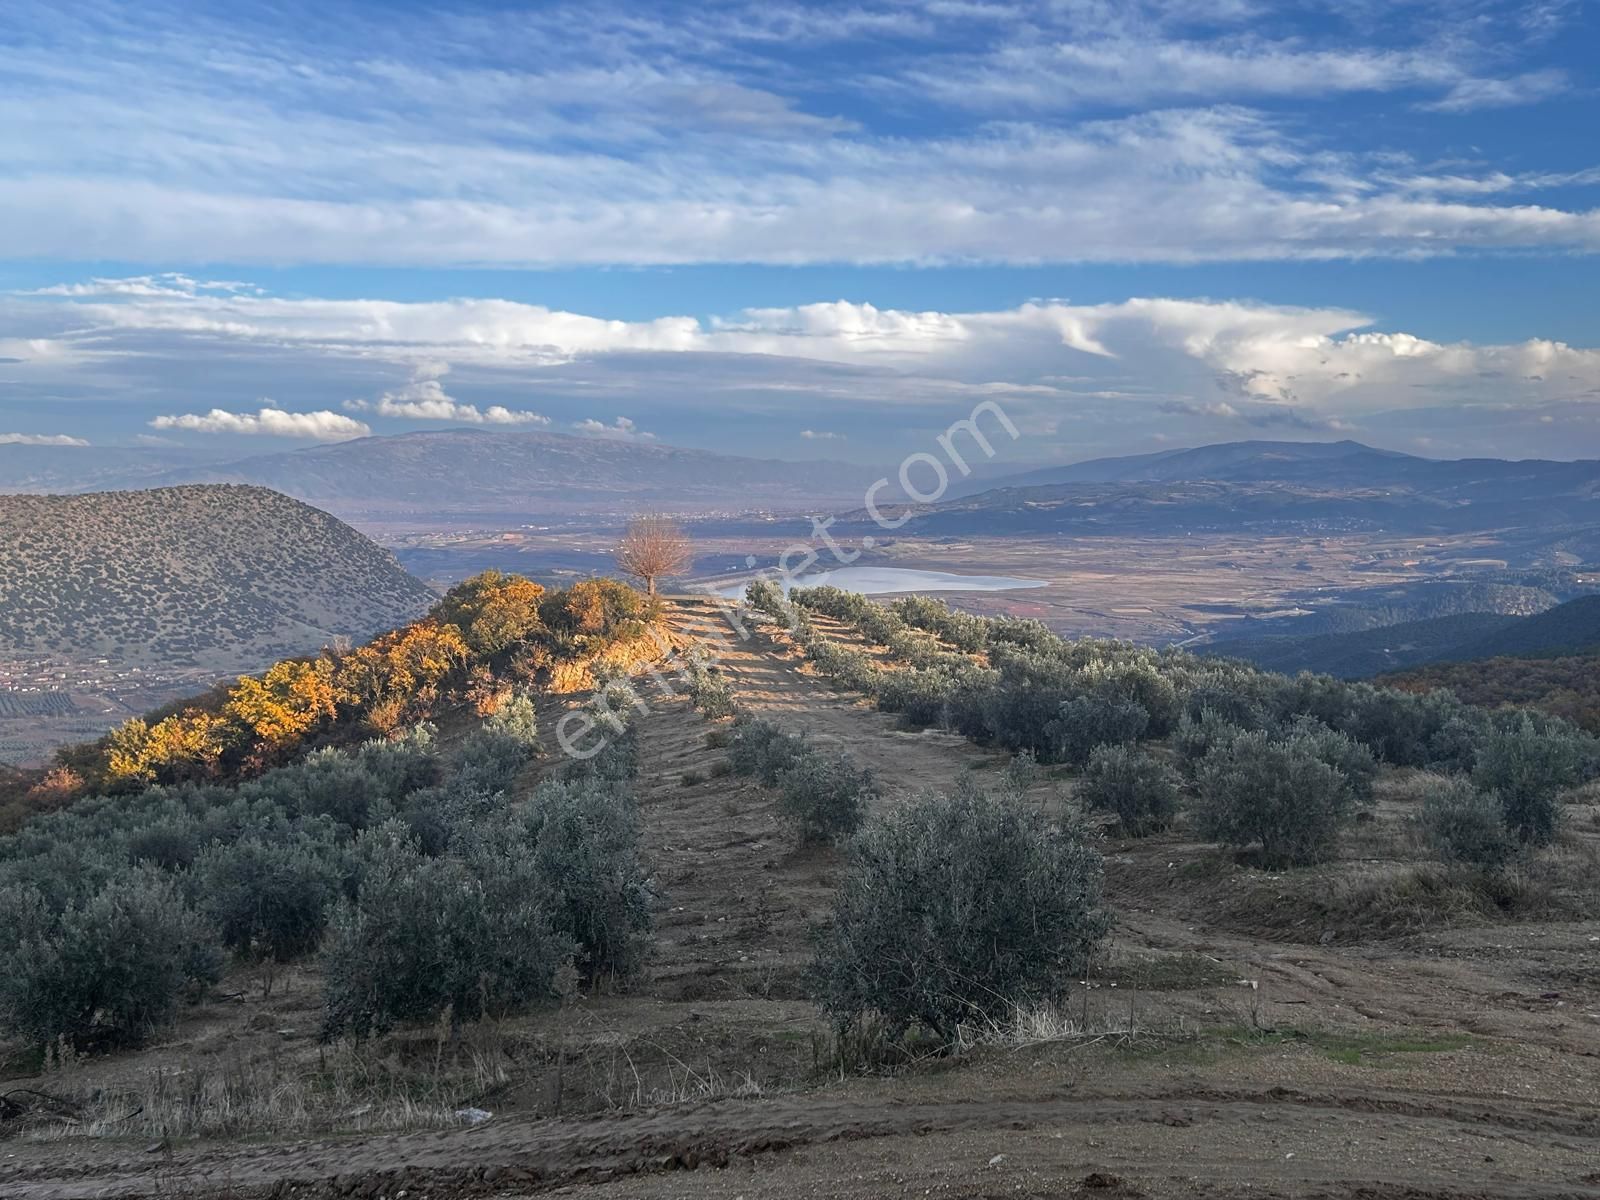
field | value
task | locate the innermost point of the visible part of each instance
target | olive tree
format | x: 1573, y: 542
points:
x: 959, y: 907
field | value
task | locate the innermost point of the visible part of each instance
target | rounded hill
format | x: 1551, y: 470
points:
x: 209, y: 575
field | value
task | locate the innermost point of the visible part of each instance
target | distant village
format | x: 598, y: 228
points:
x: 47, y: 702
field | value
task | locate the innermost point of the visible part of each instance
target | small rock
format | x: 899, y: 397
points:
x: 997, y: 1160
x: 473, y: 1116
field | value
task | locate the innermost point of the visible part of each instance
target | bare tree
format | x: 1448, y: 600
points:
x: 653, y: 546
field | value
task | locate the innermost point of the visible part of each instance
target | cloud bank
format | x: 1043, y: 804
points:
x: 846, y: 372
x: 872, y: 132
x: 40, y: 439
x: 272, y: 422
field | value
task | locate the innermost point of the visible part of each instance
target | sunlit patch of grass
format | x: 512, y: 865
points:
x: 1209, y: 1046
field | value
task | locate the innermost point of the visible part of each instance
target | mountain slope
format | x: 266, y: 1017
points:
x: 1566, y: 686
x: 1568, y: 629
x: 1347, y: 461
x: 479, y: 471
x: 215, y: 576
x: 1365, y: 652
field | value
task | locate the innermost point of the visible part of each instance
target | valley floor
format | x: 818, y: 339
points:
x: 1234, y: 1043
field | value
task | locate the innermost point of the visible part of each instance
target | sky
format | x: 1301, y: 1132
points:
x: 803, y: 231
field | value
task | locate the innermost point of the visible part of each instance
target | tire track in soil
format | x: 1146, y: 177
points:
x: 511, y: 1157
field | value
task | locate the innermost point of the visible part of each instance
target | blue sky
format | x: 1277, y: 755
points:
x: 803, y: 230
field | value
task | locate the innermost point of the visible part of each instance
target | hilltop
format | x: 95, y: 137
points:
x: 218, y: 576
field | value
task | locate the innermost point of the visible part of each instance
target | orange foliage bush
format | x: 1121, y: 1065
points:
x: 286, y: 703
x: 595, y: 608
x: 492, y: 611
x: 486, y: 633
x: 176, y: 749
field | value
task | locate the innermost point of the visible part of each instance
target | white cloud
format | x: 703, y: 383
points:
x: 273, y: 422
x: 821, y: 435
x: 424, y: 399
x: 40, y: 439
x: 1470, y: 95
x: 169, y: 283
x: 622, y: 428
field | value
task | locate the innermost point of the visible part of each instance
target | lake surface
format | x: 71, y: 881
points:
x: 875, y: 581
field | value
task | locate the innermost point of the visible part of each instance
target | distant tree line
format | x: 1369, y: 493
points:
x: 1564, y: 687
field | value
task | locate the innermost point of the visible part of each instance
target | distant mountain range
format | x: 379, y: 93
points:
x: 1319, y: 465
x: 224, y: 578
x: 465, y: 472
x: 1549, y: 509
x: 1229, y: 487
x: 1343, y: 463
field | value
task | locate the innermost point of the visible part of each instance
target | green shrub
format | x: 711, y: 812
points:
x: 268, y: 900
x: 844, y: 665
x: 1141, y: 789
x: 1463, y: 825
x: 1022, y: 772
x: 109, y: 970
x: 765, y: 597
x: 490, y: 757
x: 922, y: 697
x: 962, y: 630
x: 1198, y: 734
x: 1085, y: 722
x: 1279, y: 794
x: 825, y: 796
x: 761, y: 749
x: 168, y: 844
x: 1529, y: 770
x: 1341, y: 752
x: 426, y: 937
x: 583, y: 845
x: 710, y: 692
x: 955, y: 908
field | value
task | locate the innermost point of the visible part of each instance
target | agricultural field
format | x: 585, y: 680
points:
x: 1376, y: 1022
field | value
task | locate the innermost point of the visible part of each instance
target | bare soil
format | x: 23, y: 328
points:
x: 1223, y: 1049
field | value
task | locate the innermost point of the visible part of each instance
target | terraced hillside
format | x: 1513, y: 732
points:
x: 1243, y: 1033
x: 213, y: 576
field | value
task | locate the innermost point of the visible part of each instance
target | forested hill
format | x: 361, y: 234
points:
x: 211, y: 576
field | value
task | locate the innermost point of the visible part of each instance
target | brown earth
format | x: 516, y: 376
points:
x: 1226, y: 1047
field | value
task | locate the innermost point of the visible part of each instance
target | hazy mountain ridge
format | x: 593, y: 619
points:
x: 464, y: 471
x: 215, y: 575
x: 1286, y: 486
x: 58, y: 470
